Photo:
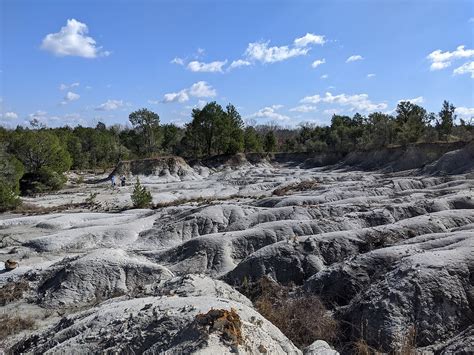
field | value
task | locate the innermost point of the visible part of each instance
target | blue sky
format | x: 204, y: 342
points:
x: 80, y: 62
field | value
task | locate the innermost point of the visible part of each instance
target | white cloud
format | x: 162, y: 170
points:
x: 199, y: 89
x: 308, y: 39
x: 38, y: 115
x: 202, y: 89
x: 110, y: 105
x: 71, y: 96
x: 333, y: 111
x: 178, y: 61
x: 466, y: 68
x: 71, y: 40
x: 358, y: 102
x: 466, y: 112
x: 70, y: 86
x: 9, y: 115
x: 440, y: 60
x: 371, y: 75
x: 318, y: 62
x: 304, y: 108
x: 416, y: 100
x: 324, y: 76
x: 213, y: 67
x: 270, y: 113
x: 354, y: 58
x: 239, y: 63
x: 181, y: 96
x: 260, y: 51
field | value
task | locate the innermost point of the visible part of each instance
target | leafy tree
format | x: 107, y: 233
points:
x: 213, y: 130
x: 11, y: 171
x: 141, y: 197
x: 269, y: 143
x: 446, y: 119
x: 172, y: 136
x: 252, y: 142
x: 147, y: 122
x: 411, y: 120
x: 39, y: 150
x: 44, y: 158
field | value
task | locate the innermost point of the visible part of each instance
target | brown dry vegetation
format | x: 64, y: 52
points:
x: 12, y: 292
x: 14, y: 324
x: 301, y: 317
x: 296, y: 187
x: 226, y: 322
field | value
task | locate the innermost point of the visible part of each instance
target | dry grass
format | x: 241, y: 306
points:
x: 226, y: 322
x: 301, y: 317
x: 14, y: 324
x: 407, y: 345
x: 12, y: 292
x: 296, y: 187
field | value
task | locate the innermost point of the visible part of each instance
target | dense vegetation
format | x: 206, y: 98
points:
x: 34, y: 159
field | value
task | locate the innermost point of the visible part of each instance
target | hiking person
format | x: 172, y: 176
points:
x: 112, y: 179
x: 123, y: 180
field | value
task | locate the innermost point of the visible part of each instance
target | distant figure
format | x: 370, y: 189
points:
x: 122, y: 180
x: 112, y: 179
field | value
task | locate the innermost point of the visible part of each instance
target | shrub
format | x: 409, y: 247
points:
x: 8, y: 197
x: 12, y: 292
x: 14, y: 324
x: 301, y: 317
x: 141, y: 197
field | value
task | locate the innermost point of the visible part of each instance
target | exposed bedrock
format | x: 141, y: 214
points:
x: 152, y: 325
x: 97, y: 276
x: 424, y: 283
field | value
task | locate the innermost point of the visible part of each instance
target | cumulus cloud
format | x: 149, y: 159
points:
x: 440, y: 60
x: 466, y: 112
x: 110, y: 105
x: 181, y: 96
x: 212, y: 67
x: 466, y: 68
x: 69, y: 97
x: 371, y: 75
x: 358, y: 102
x: 354, y: 58
x: 324, y: 76
x: 178, y: 61
x: 262, y: 52
x: 202, y: 89
x: 309, y: 38
x: 63, y: 87
x: 318, y: 62
x: 72, y: 40
x: 304, y: 108
x: 9, y: 115
x: 239, y: 63
x: 416, y: 100
x: 199, y: 89
x: 270, y: 113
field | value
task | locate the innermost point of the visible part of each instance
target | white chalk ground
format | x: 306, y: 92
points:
x: 238, y: 208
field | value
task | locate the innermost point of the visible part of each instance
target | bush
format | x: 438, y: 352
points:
x: 141, y: 197
x: 45, y: 180
x: 14, y: 324
x: 9, y: 199
x: 301, y: 317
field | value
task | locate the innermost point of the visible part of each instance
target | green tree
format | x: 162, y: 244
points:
x: 141, y: 197
x: 269, y: 142
x: 446, y: 120
x: 147, y: 123
x: 252, y: 142
x: 215, y: 131
x: 44, y: 158
x: 411, y: 120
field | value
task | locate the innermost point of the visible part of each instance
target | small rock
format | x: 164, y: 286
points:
x: 319, y: 347
x: 10, y: 264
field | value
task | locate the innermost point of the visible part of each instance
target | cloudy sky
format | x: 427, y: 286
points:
x: 80, y: 62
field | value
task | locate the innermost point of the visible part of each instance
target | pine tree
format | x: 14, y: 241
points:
x: 141, y: 197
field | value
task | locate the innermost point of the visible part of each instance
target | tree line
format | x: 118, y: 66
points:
x: 34, y: 159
